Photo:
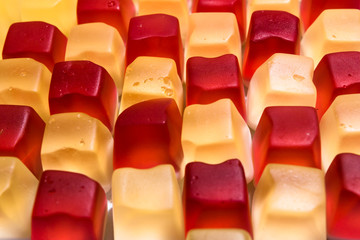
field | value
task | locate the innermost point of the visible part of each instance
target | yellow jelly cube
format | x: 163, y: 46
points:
x: 283, y: 80
x: 216, y: 132
x: 147, y: 204
x: 9, y: 14
x: 60, y: 13
x: 76, y: 142
x: 340, y: 128
x: 218, y: 234
x: 335, y: 30
x: 24, y: 81
x: 149, y: 78
x: 17, y: 195
x: 101, y: 44
x: 289, y: 203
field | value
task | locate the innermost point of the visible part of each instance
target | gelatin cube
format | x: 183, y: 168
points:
x: 149, y: 78
x: 228, y: 138
x: 290, y: 203
x: 68, y: 204
x: 215, y: 196
x: 218, y: 234
x: 286, y: 135
x: 83, y: 86
x: 147, y: 134
x: 151, y: 199
x: 269, y: 32
x: 76, y: 142
x: 211, y: 79
x: 38, y: 40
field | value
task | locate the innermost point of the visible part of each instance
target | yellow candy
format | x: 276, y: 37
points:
x: 218, y: 234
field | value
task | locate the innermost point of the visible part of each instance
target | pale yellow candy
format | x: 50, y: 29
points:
x: 283, y: 80
x: 101, y: 44
x: 335, y: 30
x: 76, y: 142
x: 340, y: 128
x: 147, y: 204
x: 24, y: 81
x: 60, y: 13
x: 218, y: 234
x: 289, y: 203
x: 216, y: 132
x: 149, y: 78
x: 18, y: 188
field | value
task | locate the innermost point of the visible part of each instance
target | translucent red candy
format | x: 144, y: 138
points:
x: 21, y: 135
x: 269, y: 32
x: 336, y: 74
x: 342, y: 182
x: 38, y: 40
x: 83, y: 86
x: 68, y: 206
x: 148, y: 134
x: 215, y: 196
x: 115, y: 13
x: 211, y: 79
x: 156, y: 35
x: 286, y: 135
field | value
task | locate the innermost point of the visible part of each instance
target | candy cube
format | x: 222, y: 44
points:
x: 148, y: 134
x: 68, y: 206
x: 290, y: 203
x: 76, y: 142
x: 286, y: 135
x: 24, y: 81
x: 149, y: 78
x: 215, y: 132
x: 343, y: 196
x: 17, y: 194
x: 38, y: 40
x: 211, y: 79
x: 9, y: 14
x: 83, y: 86
x: 215, y: 196
x: 147, y: 204
x: 218, y: 234
x: 269, y: 32
x: 335, y: 30
x: 116, y: 13
x: 283, y: 80
x: 100, y: 44
x: 336, y: 74
x: 155, y: 35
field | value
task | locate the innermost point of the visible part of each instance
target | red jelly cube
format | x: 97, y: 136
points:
x: 269, y: 32
x: 336, y: 74
x: 342, y: 182
x: 286, y: 135
x: 215, y: 196
x: 148, y: 134
x: 238, y: 7
x: 38, y: 40
x: 21, y: 135
x: 68, y: 206
x: 211, y: 79
x: 155, y: 35
x: 83, y: 86
x: 116, y: 13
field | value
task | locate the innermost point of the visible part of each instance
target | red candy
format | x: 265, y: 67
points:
x: 21, y: 135
x: 342, y: 182
x: 286, y: 135
x: 215, y: 196
x: 155, y: 35
x: 116, y: 13
x: 83, y: 86
x: 38, y: 40
x: 68, y: 206
x: 148, y: 134
x: 336, y: 74
x: 269, y: 32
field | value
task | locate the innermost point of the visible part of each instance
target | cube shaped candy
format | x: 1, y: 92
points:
x: 8, y: 15
x: 68, y: 206
x: 218, y: 234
